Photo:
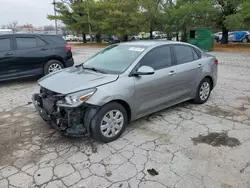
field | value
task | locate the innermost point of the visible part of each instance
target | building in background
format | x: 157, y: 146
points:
x: 29, y: 30
x: 6, y: 31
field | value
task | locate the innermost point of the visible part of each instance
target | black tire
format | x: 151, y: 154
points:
x: 198, y: 99
x: 97, y: 120
x: 49, y: 63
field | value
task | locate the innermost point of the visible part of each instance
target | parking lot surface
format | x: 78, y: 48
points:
x: 185, y: 146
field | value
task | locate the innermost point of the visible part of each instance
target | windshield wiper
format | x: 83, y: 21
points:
x: 94, y: 69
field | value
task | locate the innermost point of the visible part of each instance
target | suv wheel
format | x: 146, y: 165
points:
x: 52, y: 66
x: 203, y: 91
x: 109, y: 122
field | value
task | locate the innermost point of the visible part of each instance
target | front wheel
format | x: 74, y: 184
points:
x: 109, y: 122
x: 203, y: 91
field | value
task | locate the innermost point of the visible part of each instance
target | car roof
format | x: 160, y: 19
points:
x: 149, y: 43
x: 23, y: 34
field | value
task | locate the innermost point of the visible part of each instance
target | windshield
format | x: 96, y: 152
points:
x: 115, y: 59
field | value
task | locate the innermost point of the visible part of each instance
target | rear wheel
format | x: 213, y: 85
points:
x: 245, y: 40
x: 203, y: 91
x: 109, y: 122
x: 52, y: 66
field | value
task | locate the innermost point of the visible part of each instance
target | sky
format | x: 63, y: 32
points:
x: 26, y: 11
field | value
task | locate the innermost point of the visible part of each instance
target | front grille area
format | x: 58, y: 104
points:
x: 47, y: 92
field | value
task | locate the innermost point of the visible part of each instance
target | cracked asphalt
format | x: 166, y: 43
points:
x: 157, y: 151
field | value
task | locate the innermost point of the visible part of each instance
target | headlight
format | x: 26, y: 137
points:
x: 79, y: 97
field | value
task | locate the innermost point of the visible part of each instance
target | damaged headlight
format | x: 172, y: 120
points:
x: 79, y: 97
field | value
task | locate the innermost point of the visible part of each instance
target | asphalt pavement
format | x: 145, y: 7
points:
x: 185, y: 146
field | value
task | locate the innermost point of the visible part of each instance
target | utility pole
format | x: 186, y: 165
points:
x: 54, y: 3
x: 90, y: 32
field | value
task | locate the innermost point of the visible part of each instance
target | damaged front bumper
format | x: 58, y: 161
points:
x: 73, y: 121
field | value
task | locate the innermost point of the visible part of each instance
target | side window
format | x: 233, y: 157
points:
x: 5, y: 44
x: 158, y: 58
x: 40, y: 42
x: 184, y: 54
x: 25, y: 42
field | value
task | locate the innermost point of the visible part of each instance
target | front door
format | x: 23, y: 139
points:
x: 8, y: 65
x: 31, y: 52
x: 154, y: 91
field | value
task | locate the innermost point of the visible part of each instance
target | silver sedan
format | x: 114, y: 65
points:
x: 122, y: 83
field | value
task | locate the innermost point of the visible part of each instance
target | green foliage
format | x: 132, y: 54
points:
x: 241, y: 19
x: 128, y: 17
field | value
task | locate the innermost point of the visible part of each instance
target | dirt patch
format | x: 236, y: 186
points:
x: 242, y: 108
x: 88, y: 45
x: 217, y: 111
x: 246, y: 98
x: 232, y: 47
x: 216, y: 139
x: 226, y: 186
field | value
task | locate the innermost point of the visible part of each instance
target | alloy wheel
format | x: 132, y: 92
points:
x: 54, y: 67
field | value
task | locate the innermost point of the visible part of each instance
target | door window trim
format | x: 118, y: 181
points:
x: 41, y: 40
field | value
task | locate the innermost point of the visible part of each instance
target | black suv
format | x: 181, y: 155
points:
x: 24, y: 55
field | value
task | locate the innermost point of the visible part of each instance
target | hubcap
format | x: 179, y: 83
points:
x: 204, y: 91
x: 112, y: 123
x: 54, y: 67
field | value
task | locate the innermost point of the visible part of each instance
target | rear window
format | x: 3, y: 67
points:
x: 54, y: 39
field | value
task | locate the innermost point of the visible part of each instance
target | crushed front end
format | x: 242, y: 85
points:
x: 72, y: 119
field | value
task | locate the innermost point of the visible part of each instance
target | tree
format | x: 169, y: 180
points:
x: 119, y: 18
x: 3, y: 27
x: 12, y: 25
x: 49, y: 28
x: 226, y: 11
x: 152, y: 13
x: 240, y: 20
x: 187, y: 14
x: 104, y: 16
x: 27, y: 25
x: 73, y: 14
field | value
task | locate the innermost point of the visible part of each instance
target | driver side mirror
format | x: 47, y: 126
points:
x: 145, y: 70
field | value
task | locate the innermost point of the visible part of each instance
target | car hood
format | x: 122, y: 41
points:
x: 74, y: 79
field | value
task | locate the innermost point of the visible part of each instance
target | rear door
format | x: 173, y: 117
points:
x: 188, y: 69
x: 31, y: 52
x: 9, y: 67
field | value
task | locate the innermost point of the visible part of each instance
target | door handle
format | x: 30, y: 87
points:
x: 8, y: 54
x: 200, y: 66
x: 43, y: 49
x: 172, y: 73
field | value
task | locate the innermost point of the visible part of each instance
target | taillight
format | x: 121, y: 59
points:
x: 216, y: 62
x: 68, y: 47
